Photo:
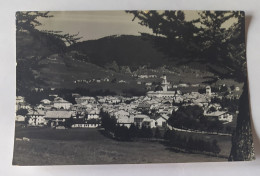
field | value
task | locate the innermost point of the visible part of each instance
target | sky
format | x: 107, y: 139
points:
x: 93, y: 25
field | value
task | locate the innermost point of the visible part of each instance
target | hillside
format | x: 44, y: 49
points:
x: 49, y: 63
x: 125, y: 50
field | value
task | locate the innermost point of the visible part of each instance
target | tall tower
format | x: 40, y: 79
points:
x: 208, y: 90
x: 164, y: 84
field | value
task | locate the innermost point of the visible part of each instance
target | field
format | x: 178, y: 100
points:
x: 89, y: 146
x: 224, y: 142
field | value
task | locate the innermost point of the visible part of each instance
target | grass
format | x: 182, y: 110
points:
x: 89, y: 146
x: 224, y: 142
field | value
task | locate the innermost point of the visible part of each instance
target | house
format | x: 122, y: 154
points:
x: 106, y: 79
x: 85, y: 99
x: 183, y: 85
x: 220, y: 115
x: 93, y: 114
x: 22, y: 105
x: 56, y: 118
x: 195, y: 85
x: 143, y: 120
x: 19, y: 99
x: 152, y: 76
x: 148, y: 84
x: 143, y: 76
x: 36, y: 118
x: 122, y: 114
x: 75, y: 95
x: 59, y: 103
x: 121, y: 81
x: 161, y: 121
x: 125, y: 121
x: 45, y: 101
x: 144, y: 106
x: 20, y: 118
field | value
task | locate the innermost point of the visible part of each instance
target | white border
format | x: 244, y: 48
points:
x: 7, y: 82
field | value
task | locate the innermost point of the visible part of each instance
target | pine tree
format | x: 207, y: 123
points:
x: 206, y: 41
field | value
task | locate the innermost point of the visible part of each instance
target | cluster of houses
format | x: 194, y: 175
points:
x: 152, y: 110
x: 91, y: 80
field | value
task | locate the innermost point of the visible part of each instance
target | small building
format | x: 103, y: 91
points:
x: 19, y: 99
x: 59, y: 103
x: 143, y: 120
x: 220, y: 115
x: 20, y: 118
x: 121, y: 114
x: 122, y: 81
x: 85, y: 99
x: 93, y: 114
x: 161, y: 121
x: 56, y: 118
x: 106, y: 79
x: 36, y: 118
x: 125, y: 121
x: 46, y: 101
x: 148, y: 84
x: 208, y: 90
x: 144, y: 106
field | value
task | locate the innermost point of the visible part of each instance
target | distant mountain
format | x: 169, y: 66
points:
x: 125, y: 50
x: 43, y: 61
x: 37, y: 44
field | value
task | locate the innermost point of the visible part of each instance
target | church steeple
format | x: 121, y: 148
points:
x: 165, y: 84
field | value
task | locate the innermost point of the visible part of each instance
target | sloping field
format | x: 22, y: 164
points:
x: 89, y: 146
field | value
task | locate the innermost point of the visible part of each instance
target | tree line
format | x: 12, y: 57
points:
x: 190, y: 143
x: 192, y: 117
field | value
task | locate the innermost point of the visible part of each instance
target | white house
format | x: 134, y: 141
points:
x: 46, y: 101
x: 121, y: 113
x: 57, y: 117
x: 143, y: 120
x: 125, y: 121
x: 161, y: 121
x: 59, y: 103
x: 20, y: 118
x: 220, y: 115
x: 36, y: 118
x: 93, y: 114
x: 19, y: 99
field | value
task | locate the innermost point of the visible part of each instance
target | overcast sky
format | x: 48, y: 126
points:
x: 93, y: 24
x: 97, y: 24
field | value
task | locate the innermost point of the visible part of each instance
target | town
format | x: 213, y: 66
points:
x: 152, y: 110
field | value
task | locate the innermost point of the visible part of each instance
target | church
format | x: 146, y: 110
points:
x: 164, y: 92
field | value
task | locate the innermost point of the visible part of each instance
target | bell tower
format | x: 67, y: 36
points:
x: 165, y: 84
x: 208, y: 90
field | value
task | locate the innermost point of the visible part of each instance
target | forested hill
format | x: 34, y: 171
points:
x: 125, y: 50
x: 44, y: 61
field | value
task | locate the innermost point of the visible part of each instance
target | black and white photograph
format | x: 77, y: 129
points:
x: 131, y: 87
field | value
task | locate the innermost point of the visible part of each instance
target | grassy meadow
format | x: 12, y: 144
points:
x: 88, y: 146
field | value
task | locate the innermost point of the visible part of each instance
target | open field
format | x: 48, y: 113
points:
x: 89, y: 146
x: 224, y: 142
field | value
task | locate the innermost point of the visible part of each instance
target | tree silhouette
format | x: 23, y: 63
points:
x: 29, y: 20
x: 207, y: 41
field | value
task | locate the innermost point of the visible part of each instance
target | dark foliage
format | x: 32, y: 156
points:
x: 22, y: 112
x: 157, y: 133
x: 107, y: 122
x: 231, y: 104
x: 191, y: 117
x: 191, y: 144
x: 68, y: 122
x: 133, y: 52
